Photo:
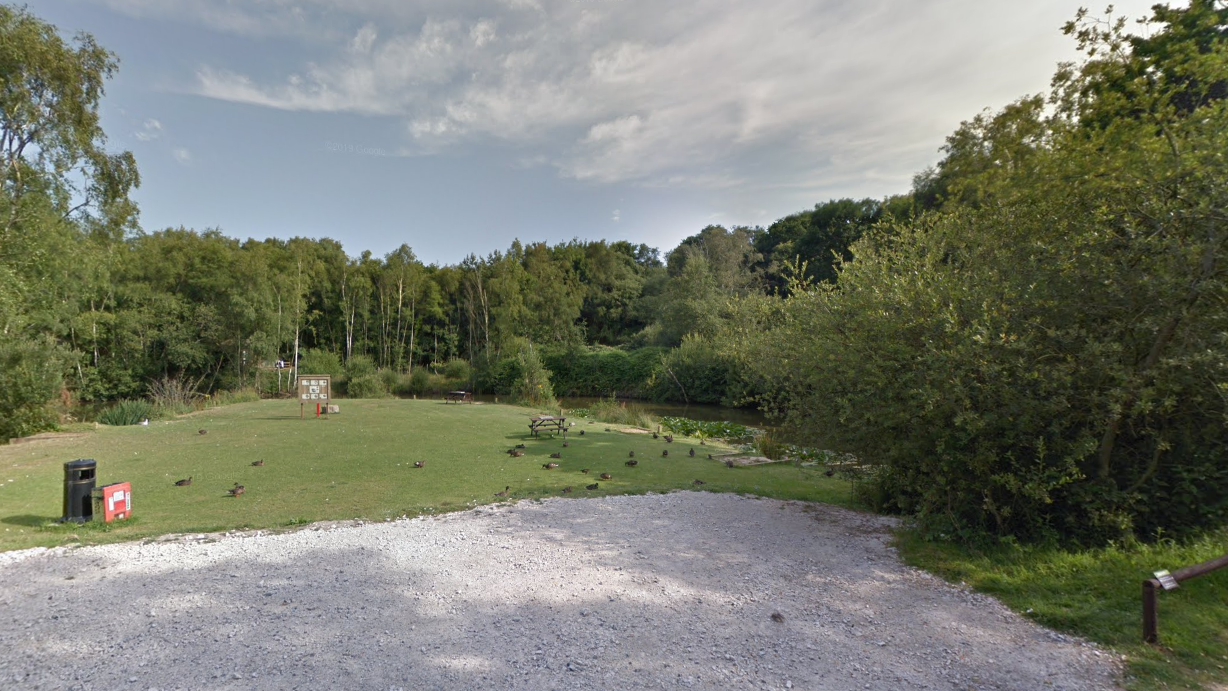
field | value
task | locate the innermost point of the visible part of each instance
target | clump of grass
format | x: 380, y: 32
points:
x: 618, y: 412
x: 245, y: 395
x: 127, y: 412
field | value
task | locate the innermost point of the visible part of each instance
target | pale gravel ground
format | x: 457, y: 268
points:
x: 657, y: 591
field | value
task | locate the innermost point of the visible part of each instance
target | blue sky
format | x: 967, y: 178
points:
x: 455, y: 126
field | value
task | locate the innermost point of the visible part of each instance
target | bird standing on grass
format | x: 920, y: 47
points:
x: 258, y: 463
x: 692, y: 453
x: 665, y: 452
x: 504, y: 492
x: 592, y: 486
x: 606, y: 476
x: 236, y: 490
x: 550, y: 466
x: 556, y: 455
x: 419, y: 464
x: 184, y: 482
x: 633, y: 462
x: 567, y: 489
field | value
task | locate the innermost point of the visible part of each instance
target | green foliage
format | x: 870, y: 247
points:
x: 323, y: 362
x: 29, y: 382
x: 533, y: 385
x: 366, y: 386
x: 729, y: 431
x: 618, y: 412
x: 1045, y: 357
x: 603, y: 371
x: 357, y: 367
x: 129, y: 412
x: 458, y: 369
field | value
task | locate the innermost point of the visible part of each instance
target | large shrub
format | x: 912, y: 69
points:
x: 318, y: 361
x: 29, y: 383
x: 1047, y: 356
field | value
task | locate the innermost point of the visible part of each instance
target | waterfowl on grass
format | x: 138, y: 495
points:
x: 829, y: 472
x: 236, y: 490
x: 504, y: 492
x: 606, y: 476
x: 584, y: 470
x: 419, y: 464
x: 550, y: 466
x: 655, y: 435
x: 633, y: 462
x: 258, y: 463
x: 592, y: 486
x: 698, y: 482
x: 567, y: 489
x: 631, y: 454
x: 517, y: 453
x: 556, y: 454
x: 520, y: 446
x: 581, y: 433
x: 564, y: 445
x: 184, y: 482
x: 669, y: 439
x: 729, y: 463
x: 692, y: 453
x: 665, y: 452
x: 202, y: 431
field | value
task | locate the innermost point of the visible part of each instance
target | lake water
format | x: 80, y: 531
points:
x: 708, y: 413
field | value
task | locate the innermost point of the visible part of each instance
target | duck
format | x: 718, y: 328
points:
x: 258, y: 463
x: 184, y: 482
x: 633, y: 462
x: 419, y: 464
x: 504, y: 492
x: 606, y: 476
x: 592, y: 486
x: 236, y: 490
x: 692, y: 454
x: 665, y: 452
x: 520, y: 446
x: 517, y: 453
x: 669, y: 439
x: 778, y: 617
x: 550, y: 466
x: 698, y: 482
x: 511, y: 452
x: 631, y: 454
x: 202, y: 431
x: 584, y: 470
x: 729, y: 463
x: 829, y: 472
x: 581, y: 433
x: 607, y: 429
x: 565, y: 445
x: 567, y: 489
x: 655, y: 435
x: 556, y: 454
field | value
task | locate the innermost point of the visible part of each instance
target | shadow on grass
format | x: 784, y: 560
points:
x: 30, y: 521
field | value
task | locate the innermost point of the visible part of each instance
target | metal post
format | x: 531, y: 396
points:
x: 1150, y: 635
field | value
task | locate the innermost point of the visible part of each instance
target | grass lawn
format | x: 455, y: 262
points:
x: 358, y: 464
x: 1097, y: 594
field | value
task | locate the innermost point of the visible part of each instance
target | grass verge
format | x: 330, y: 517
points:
x: 358, y: 464
x: 1096, y: 594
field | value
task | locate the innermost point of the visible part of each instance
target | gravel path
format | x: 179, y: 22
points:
x: 658, y: 591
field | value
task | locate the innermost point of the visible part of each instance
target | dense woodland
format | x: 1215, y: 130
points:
x: 1032, y: 342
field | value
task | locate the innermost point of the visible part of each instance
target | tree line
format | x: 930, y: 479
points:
x: 1029, y: 343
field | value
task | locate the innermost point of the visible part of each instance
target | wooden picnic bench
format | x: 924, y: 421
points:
x: 458, y: 396
x: 547, y: 422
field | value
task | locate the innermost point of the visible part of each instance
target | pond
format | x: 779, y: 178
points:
x: 695, y: 411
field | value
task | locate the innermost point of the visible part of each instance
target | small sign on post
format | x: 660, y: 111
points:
x: 1167, y: 582
x: 314, y: 390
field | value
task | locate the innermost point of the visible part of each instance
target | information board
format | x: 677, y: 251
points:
x: 314, y: 389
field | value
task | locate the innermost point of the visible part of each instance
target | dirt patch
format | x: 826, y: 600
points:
x: 45, y: 436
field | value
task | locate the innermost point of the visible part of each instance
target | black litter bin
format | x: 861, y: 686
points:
x: 78, y: 488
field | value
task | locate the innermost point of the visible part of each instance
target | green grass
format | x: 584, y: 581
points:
x: 358, y: 464
x: 1097, y: 594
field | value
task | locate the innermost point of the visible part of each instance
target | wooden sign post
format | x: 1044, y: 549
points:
x: 314, y: 388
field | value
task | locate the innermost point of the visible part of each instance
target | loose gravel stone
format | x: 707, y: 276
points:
x: 674, y: 590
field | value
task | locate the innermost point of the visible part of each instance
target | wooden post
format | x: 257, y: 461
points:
x: 1150, y: 625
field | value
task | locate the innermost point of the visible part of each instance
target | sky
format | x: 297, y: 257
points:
x: 457, y: 126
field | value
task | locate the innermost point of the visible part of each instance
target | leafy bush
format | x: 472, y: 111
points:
x: 368, y: 386
x: 458, y: 370
x: 29, y: 382
x: 618, y: 412
x: 233, y: 396
x: 359, y: 366
x: 128, y: 412
x: 731, y: 431
x: 317, y: 361
x: 533, y: 386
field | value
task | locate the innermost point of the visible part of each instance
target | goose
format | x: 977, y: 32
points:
x: 550, y: 466
x: 633, y: 462
x: 504, y: 492
x: 419, y: 464
x: 556, y: 455
x: 606, y: 476
x: 258, y: 463
x: 592, y: 486
x: 184, y: 482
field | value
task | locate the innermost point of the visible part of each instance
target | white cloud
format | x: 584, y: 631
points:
x: 150, y: 130
x: 181, y: 155
x: 711, y: 93
x: 615, y: 216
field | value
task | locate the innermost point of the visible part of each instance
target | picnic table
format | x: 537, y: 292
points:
x: 458, y: 396
x: 547, y: 422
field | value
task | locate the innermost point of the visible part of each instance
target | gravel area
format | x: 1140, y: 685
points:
x: 687, y: 590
